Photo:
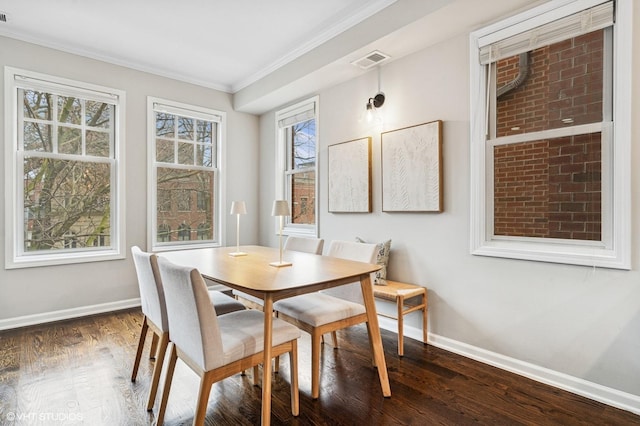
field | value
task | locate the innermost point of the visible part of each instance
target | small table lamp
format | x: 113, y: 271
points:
x: 281, y: 209
x: 238, y: 208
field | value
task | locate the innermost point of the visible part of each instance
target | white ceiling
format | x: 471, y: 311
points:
x: 223, y: 44
x: 265, y: 52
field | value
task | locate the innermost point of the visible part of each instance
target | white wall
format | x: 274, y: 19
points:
x: 577, y: 321
x: 39, y: 291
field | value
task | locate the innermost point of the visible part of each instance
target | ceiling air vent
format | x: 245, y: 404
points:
x: 371, y: 59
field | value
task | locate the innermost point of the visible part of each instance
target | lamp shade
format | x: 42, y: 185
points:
x: 238, y: 207
x: 280, y: 208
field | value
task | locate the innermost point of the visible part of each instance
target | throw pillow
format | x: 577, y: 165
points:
x: 380, y: 276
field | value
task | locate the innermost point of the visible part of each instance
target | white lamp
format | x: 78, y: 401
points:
x: 238, y: 208
x: 281, y: 209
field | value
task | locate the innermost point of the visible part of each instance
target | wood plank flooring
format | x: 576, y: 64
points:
x: 77, y: 372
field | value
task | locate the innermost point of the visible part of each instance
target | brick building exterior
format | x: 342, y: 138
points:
x: 551, y: 188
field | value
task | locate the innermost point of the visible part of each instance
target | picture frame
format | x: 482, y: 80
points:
x: 412, y: 168
x: 350, y: 176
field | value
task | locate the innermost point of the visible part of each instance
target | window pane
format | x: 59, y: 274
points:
x: 164, y: 233
x: 205, y: 155
x: 204, y: 231
x: 164, y: 151
x: 190, y: 188
x: 69, y: 140
x: 98, y: 114
x: 63, y: 198
x: 37, y: 104
x: 183, y: 200
x: 185, y: 128
x: 205, y: 129
x: 303, y: 197
x: 98, y: 143
x: 549, y: 188
x: 185, y: 153
x: 37, y: 137
x: 69, y: 110
x: 555, y: 86
x: 303, y: 150
x: 165, y: 125
x: 164, y: 201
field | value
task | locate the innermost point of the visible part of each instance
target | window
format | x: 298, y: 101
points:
x: 63, y: 143
x: 184, y: 232
x: 184, y: 146
x: 297, y: 153
x: 204, y: 231
x: 550, y: 140
x: 164, y: 233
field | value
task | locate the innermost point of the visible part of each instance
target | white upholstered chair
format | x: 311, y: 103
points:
x: 152, y: 301
x: 216, y: 347
x: 329, y: 310
x: 293, y: 243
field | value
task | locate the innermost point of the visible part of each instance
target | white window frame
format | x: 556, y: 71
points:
x: 178, y: 108
x: 614, y: 251
x: 15, y: 255
x: 289, y: 114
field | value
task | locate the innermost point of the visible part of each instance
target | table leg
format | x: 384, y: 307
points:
x: 374, y: 328
x: 424, y: 317
x: 400, y: 301
x: 266, y: 364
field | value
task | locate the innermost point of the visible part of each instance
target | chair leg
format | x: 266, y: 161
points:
x: 203, y: 399
x: 334, y: 339
x: 173, y: 357
x: 256, y: 375
x: 157, y: 369
x: 400, y: 326
x: 293, y: 361
x: 315, y: 363
x: 154, y: 347
x: 143, y: 336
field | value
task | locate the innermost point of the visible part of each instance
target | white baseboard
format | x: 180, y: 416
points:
x: 615, y: 398
x: 64, y: 314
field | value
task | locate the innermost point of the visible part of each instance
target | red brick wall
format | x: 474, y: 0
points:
x: 551, y: 188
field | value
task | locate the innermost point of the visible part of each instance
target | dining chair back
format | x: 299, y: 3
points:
x: 154, y: 310
x: 216, y: 347
x: 304, y: 244
x: 360, y: 252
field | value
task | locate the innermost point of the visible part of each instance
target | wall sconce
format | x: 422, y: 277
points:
x: 238, y: 208
x: 280, y: 209
x: 371, y: 113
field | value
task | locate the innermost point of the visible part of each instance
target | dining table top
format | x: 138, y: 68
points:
x: 254, y: 275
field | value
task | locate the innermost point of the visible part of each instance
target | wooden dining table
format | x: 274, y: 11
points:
x: 307, y: 273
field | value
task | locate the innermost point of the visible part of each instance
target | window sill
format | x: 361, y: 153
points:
x: 554, y: 252
x: 34, y: 261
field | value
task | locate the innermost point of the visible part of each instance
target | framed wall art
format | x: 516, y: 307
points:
x: 350, y: 176
x: 412, y: 168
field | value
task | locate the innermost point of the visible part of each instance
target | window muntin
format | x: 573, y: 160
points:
x: 580, y: 125
x: 297, y: 152
x: 63, y: 169
x: 186, y: 177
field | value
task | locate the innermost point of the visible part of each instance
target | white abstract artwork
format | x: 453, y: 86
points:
x: 350, y: 176
x: 411, y: 168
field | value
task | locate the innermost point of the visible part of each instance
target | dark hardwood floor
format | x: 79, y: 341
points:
x: 78, y: 372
